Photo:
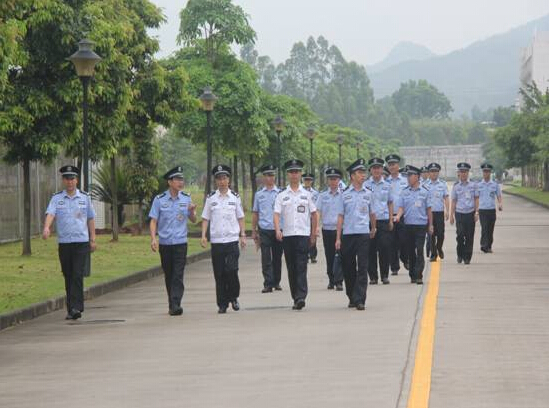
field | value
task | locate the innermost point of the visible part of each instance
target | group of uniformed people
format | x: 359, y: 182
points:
x: 380, y: 220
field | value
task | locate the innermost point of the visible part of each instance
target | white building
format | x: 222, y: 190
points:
x: 534, y: 65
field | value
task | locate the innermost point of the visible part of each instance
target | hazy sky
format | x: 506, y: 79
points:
x: 366, y: 30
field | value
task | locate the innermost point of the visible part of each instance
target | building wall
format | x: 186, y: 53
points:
x: 534, y: 64
x: 446, y: 156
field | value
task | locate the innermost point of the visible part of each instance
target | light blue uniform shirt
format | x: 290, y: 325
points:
x: 328, y: 206
x: 415, y: 203
x: 397, y: 184
x: 264, y: 206
x: 439, y: 190
x: 465, y: 193
x: 383, y: 195
x: 488, y: 191
x: 71, y: 216
x: 314, y: 193
x: 172, y: 215
x: 355, y: 206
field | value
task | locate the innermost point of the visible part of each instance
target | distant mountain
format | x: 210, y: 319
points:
x: 403, y: 51
x: 486, y: 73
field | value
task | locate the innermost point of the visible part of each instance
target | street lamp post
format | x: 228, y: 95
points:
x: 208, y: 99
x: 340, y: 143
x: 358, y: 145
x: 278, y: 124
x: 311, y: 133
x: 84, y: 61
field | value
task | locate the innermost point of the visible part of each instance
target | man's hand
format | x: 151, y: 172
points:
x: 452, y: 219
x: 192, y: 207
x: 203, y: 242
x: 46, y: 233
x: 391, y: 225
x: 338, y: 244
x: 476, y: 216
x: 154, y: 244
x: 254, y: 235
x: 279, y: 235
x: 446, y: 216
x: 93, y: 246
x: 397, y: 219
x: 373, y: 233
x: 312, y: 240
x: 500, y: 207
x: 431, y: 229
x: 242, y: 242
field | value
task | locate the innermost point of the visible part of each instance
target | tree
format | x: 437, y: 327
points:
x: 419, y: 99
x: 212, y: 25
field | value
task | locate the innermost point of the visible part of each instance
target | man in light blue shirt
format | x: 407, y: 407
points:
x: 74, y: 218
x: 170, y: 212
x: 415, y: 206
x: 383, y: 208
x: 398, y: 183
x: 489, y: 190
x: 328, y: 206
x: 464, y: 212
x: 263, y: 231
x: 440, y: 209
x: 356, y: 215
x: 308, y: 180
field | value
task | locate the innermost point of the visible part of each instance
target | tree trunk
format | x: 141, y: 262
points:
x: 140, y: 217
x: 523, y: 176
x: 244, y: 185
x: 80, y: 183
x: 114, y: 190
x: 26, y: 209
x: 235, y: 173
x: 252, y: 177
x: 546, y: 176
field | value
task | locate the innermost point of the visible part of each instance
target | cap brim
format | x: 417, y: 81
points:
x: 69, y: 175
x: 221, y: 172
x: 269, y: 173
x: 294, y: 168
x: 176, y: 175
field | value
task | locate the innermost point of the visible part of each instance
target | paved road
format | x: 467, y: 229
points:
x: 491, y: 339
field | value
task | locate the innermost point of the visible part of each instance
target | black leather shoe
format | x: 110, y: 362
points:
x: 385, y: 281
x: 278, y: 288
x: 489, y: 251
x: 441, y: 254
x: 299, y: 304
x: 351, y: 305
x: 433, y: 259
x: 466, y: 261
x: 413, y: 280
x: 484, y: 250
x: 459, y: 260
x: 235, y: 305
x: 373, y: 282
x: 419, y: 281
x: 75, y: 314
x: 68, y: 316
x: 339, y: 287
x: 394, y: 273
x: 407, y: 266
x: 330, y: 287
x: 222, y: 310
x: 267, y: 290
x: 360, y: 307
x: 176, y: 311
x: 313, y: 260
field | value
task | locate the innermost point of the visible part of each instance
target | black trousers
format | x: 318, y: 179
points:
x: 271, y: 258
x: 437, y: 238
x: 380, y: 245
x: 225, y: 265
x: 73, y: 264
x: 329, y: 239
x: 296, y: 250
x: 354, y: 257
x: 398, y: 246
x: 465, y: 234
x: 415, y: 239
x: 173, y: 258
x: 487, y: 223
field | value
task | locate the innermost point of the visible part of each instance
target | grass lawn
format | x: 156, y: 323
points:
x: 27, y: 280
x: 531, y: 193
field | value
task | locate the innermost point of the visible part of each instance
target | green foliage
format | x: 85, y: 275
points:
x: 421, y: 100
x: 212, y: 25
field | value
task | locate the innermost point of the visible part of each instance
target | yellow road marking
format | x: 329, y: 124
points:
x: 420, y: 387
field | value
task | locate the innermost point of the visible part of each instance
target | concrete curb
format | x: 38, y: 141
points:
x: 526, y: 198
x: 35, y: 310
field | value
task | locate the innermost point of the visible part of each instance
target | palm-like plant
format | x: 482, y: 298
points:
x: 101, y: 188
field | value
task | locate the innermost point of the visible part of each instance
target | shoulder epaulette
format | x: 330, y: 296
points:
x: 185, y: 194
x: 325, y: 190
x: 211, y: 193
x: 161, y: 195
x: 425, y: 187
x: 84, y: 192
x: 347, y: 188
x: 456, y: 182
x: 56, y: 193
x: 367, y: 187
x: 234, y: 193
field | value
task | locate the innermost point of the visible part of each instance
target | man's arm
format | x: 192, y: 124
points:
x: 152, y: 229
x: 47, y: 225
x: 91, y: 231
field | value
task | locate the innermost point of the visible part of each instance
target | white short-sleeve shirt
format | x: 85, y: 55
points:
x: 295, y: 209
x: 223, y: 212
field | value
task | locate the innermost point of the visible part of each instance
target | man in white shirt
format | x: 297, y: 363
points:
x: 223, y: 212
x: 296, y: 207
